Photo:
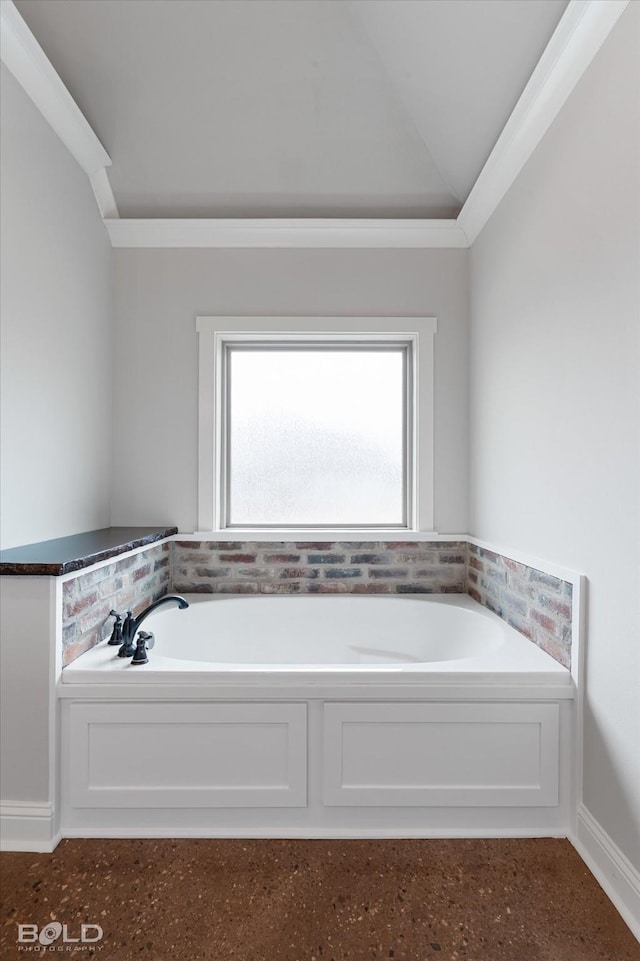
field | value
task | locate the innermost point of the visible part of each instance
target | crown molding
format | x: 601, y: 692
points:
x: 584, y: 27
x: 104, y: 194
x: 26, y: 60
x: 304, y: 232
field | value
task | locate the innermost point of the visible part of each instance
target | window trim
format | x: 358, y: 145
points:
x: 406, y: 346
x: 217, y: 332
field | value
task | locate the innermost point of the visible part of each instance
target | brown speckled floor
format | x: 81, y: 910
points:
x: 462, y: 900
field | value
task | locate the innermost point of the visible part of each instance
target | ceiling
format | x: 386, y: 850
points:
x: 294, y: 108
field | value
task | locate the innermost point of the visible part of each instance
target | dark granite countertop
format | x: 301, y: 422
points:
x: 67, y: 554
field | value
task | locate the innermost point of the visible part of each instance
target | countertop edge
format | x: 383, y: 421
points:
x: 71, y: 565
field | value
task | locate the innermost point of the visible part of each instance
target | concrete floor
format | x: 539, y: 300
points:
x: 182, y: 900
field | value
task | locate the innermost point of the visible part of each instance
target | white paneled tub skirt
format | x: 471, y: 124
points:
x: 319, y: 716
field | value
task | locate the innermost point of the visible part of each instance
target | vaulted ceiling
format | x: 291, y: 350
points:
x: 294, y: 108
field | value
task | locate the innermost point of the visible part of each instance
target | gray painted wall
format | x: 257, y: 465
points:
x: 56, y: 338
x: 555, y: 428
x: 160, y: 292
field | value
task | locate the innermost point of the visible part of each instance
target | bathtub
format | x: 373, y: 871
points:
x: 318, y: 716
x: 238, y: 635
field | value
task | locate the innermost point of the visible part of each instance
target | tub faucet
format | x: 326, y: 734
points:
x: 126, y: 632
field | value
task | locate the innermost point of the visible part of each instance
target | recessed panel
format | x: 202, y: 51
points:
x: 420, y: 755
x: 188, y: 755
x: 440, y: 754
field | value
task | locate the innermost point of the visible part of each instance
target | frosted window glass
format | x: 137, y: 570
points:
x: 316, y: 436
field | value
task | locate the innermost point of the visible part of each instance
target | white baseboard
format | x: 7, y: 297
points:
x: 27, y: 826
x: 306, y: 833
x: 613, y: 871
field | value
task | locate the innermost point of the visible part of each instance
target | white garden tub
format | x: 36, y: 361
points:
x: 308, y: 636
x: 318, y: 716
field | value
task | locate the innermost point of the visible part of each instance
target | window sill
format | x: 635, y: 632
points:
x: 313, y: 535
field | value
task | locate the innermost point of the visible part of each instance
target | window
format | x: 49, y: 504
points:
x: 313, y: 424
x: 315, y: 434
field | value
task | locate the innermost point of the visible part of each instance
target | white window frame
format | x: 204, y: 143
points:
x: 216, y: 333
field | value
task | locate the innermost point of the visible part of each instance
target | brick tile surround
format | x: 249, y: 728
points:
x: 536, y: 603
x: 337, y: 567
x: 132, y: 582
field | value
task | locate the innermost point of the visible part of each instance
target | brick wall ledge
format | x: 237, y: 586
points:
x: 64, y: 555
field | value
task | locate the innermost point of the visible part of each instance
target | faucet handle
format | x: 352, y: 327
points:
x: 149, y: 639
x: 116, y: 634
x: 140, y: 656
